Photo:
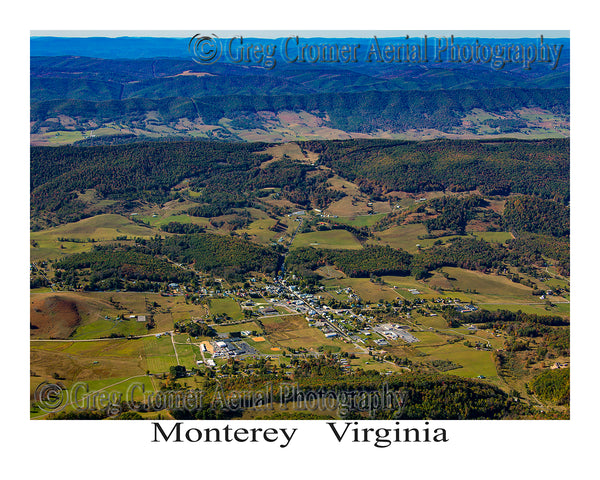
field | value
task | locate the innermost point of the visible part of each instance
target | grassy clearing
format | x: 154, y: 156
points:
x: 474, y: 362
x: 225, y: 306
x: 260, y: 232
x: 405, y: 237
x: 239, y: 327
x: 100, y: 227
x: 361, y: 220
x: 562, y: 309
x: 159, y: 221
x: 499, y: 237
x: 367, y: 363
x: 327, y: 239
x: 158, y: 354
x: 287, y: 150
x: 92, y: 393
x: 405, y: 283
x: 104, y: 328
x: 488, y: 287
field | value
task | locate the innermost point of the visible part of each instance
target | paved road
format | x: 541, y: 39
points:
x: 98, y: 339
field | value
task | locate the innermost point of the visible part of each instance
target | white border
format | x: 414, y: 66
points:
x: 477, y: 449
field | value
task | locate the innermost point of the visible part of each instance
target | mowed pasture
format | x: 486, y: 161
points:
x: 238, y: 327
x: 158, y: 354
x: 405, y: 237
x: 329, y: 239
x: 474, y: 362
x: 225, y: 306
x: 361, y: 220
x: 488, y: 287
x: 99, y: 228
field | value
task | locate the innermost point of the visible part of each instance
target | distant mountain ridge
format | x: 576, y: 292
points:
x: 171, y: 95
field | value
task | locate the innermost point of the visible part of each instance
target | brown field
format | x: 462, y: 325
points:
x: 58, y: 314
x: 291, y: 150
x: 275, y: 325
x: 74, y: 361
x: 345, y: 207
x: 53, y: 317
x: 293, y: 332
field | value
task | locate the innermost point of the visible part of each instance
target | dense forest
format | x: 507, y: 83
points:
x: 453, y: 213
x: 371, y: 260
x: 113, y: 268
x: 535, y: 215
x: 553, y: 386
x: 496, y: 167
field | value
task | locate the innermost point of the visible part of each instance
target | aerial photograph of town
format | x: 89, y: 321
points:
x: 283, y: 226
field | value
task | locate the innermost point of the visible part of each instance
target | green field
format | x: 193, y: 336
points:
x: 361, y: 220
x: 265, y: 347
x: 159, y: 221
x: 341, y: 239
x: 474, y: 362
x: 158, y: 354
x: 405, y: 237
x: 93, y: 393
x: 500, y: 237
x: 225, y: 306
x: 100, y: 228
x: 488, y: 287
x: 238, y: 327
x: 260, y: 231
x: 103, y: 328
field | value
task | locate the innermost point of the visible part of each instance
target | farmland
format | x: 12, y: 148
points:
x: 232, y: 273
